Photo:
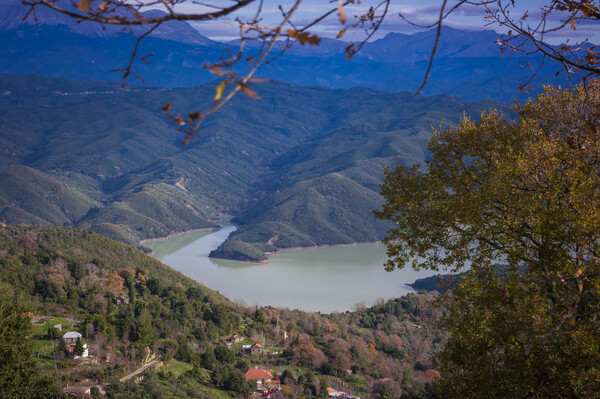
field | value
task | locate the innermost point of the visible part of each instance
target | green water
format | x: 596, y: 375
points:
x: 324, y: 279
x: 162, y: 248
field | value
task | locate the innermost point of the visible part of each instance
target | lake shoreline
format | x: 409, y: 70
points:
x: 267, y: 254
x: 294, y: 279
x: 352, y: 244
x: 282, y: 250
x: 178, y: 234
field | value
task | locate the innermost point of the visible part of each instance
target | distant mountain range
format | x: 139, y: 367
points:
x: 298, y: 168
x: 468, y: 63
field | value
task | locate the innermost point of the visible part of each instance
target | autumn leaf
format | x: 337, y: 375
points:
x: 342, y: 13
x: 218, y: 71
x: 84, y: 5
x: 341, y: 33
x: 247, y: 91
x: 591, y: 56
x: 194, y: 116
x: 220, y: 89
x: 349, y: 50
x: 167, y: 107
x: 304, y: 37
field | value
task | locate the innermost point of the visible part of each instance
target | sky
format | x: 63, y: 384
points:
x: 422, y: 12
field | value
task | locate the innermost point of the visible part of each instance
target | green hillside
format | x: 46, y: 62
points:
x: 130, y: 309
x: 300, y: 167
x: 323, y: 192
x: 33, y: 197
x: 331, y: 209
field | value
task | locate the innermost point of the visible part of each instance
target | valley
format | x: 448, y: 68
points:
x: 291, y: 175
x: 251, y: 258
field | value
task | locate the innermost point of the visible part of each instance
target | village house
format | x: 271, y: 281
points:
x: 71, y: 337
x: 234, y: 339
x: 256, y: 349
x: 333, y: 394
x: 78, y: 391
x: 71, y: 351
x: 264, y: 379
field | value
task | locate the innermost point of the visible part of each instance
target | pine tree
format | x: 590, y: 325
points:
x: 79, y: 347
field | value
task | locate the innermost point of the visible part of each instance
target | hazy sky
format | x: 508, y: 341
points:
x: 421, y: 12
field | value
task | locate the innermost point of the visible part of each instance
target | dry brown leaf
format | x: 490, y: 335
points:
x: 342, y: 13
x: 248, y: 91
x: 304, y: 37
x: 84, y: 5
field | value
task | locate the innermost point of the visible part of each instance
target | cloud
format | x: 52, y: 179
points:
x: 423, y: 12
x: 217, y: 31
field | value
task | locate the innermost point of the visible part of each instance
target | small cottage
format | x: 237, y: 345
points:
x: 71, y: 337
x: 256, y: 349
x: 78, y: 391
x: 262, y: 377
x: 234, y: 339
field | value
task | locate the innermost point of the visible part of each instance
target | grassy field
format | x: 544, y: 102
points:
x: 176, y: 367
x: 216, y: 394
x: 41, y: 329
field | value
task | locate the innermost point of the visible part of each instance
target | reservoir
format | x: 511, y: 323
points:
x: 324, y: 279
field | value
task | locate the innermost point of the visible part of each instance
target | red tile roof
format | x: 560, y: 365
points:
x: 258, y: 374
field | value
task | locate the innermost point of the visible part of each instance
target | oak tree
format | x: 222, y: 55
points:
x: 517, y: 202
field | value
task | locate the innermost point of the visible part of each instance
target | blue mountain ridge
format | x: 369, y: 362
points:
x: 468, y: 64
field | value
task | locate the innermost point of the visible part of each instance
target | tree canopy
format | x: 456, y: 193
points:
x: 517, y: 202
x: 19, y: 376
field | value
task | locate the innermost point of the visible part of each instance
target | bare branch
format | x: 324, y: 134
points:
x: 127, y: 70
x: 434, y: 50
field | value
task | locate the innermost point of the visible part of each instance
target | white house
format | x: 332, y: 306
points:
x: 71, y: 337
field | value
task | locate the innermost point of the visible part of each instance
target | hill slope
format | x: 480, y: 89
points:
x: 300, y: 167
x: 129, y: 309
x: 323, y: 192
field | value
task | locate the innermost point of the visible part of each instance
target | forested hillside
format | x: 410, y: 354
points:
x: 300, y: 167
x: 130, y: 310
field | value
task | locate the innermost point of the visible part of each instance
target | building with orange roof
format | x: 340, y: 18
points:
x: 262, y: 377
x: 256, y: 348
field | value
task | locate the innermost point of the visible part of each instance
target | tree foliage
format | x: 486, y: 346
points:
x: 517, y: 202
x: 19, y: 377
